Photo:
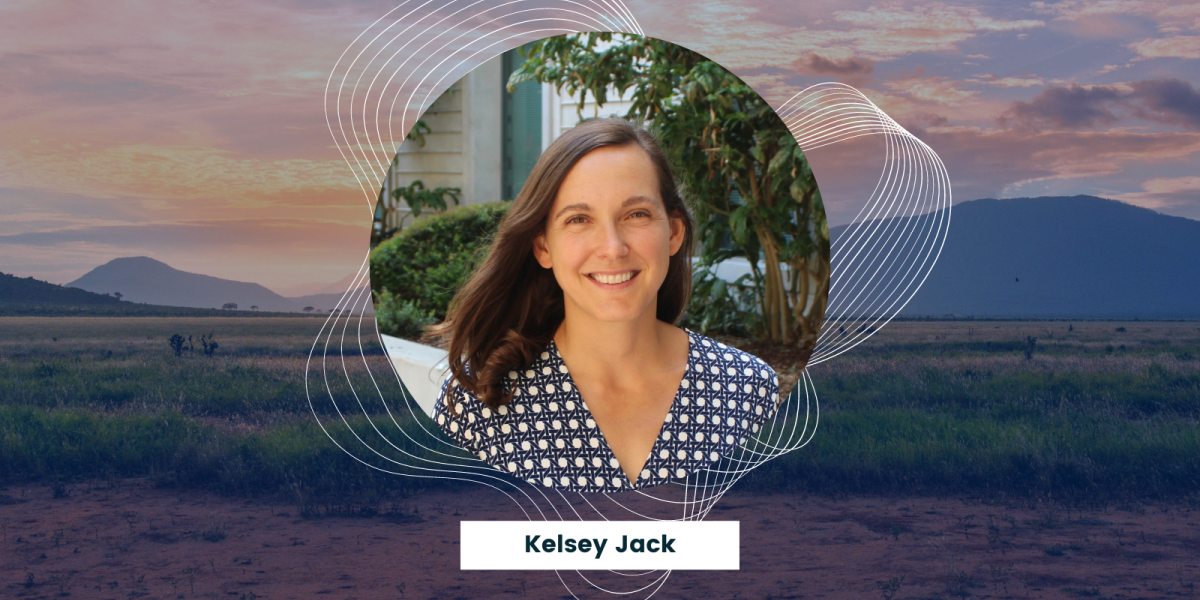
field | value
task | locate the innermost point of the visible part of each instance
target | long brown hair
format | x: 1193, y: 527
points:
x: 510, y: 308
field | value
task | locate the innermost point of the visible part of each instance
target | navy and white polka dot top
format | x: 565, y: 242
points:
x: 546, y: 434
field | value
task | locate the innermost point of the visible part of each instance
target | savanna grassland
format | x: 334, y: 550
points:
x: 88, y: 398
x: 1085, y: 411
x: 1079, y: 411
x: 951, y: 460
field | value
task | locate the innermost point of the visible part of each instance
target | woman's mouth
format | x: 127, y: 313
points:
x: 613, y: 278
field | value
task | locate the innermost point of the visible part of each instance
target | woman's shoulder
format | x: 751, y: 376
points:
x: 734, y: 371
x: 545, y: 367
x: 703, y: 347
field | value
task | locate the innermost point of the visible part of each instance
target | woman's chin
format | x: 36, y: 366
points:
x: 613, y: 312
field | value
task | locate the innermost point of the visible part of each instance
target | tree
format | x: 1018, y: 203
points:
x: 176, y: 343
x: 254, y: 307
x: 118, y: 296
x: 308, y: 309
x: 723, y: 138
x: 229, y: 306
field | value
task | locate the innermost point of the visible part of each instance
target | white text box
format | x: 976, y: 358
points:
x: 589, y: 545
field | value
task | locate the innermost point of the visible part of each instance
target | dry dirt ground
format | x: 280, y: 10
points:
x: 130, y: 540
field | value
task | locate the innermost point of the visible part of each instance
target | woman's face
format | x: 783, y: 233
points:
x: 608, y: 237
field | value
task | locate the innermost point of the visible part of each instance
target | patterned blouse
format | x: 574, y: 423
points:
x: 546, y: 434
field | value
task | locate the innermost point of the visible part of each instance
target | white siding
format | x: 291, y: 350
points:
x: 560, y: 111
x: 438, y: 164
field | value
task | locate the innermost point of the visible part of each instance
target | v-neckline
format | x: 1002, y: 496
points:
x: 658, y: 438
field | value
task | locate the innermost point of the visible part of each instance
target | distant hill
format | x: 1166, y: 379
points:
x: 143, y: 279
x: 26, y: 296
x: 27, y: 290
x: 1070, y: 257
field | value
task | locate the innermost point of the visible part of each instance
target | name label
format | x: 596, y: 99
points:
x: 600, y: 545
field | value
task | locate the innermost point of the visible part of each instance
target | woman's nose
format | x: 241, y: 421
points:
x: 612, y: 244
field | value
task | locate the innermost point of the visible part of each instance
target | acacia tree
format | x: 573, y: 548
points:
x: 722, y: 137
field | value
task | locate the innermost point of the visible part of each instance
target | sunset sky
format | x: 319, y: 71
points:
x: 195, y: 132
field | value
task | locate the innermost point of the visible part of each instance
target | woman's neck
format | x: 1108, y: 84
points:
x: 611, y: 348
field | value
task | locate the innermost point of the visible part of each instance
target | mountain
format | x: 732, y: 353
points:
x: 27, y: 290
x: 1060, y: 257
x: 143, y: 279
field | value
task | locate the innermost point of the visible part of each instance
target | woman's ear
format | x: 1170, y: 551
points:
x: 677, y: 231
x: 540, y: 252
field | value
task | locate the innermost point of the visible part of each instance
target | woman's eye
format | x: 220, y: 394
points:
x: 577, y: 219
x: 640, y: 213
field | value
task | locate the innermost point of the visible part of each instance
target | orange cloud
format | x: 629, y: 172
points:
x: 274, y: 252
x: 163, y: 172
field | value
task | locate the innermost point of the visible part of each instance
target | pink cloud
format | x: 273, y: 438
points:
x: 1164, y: 12
x: 935, y: 89
x: 992, y: 160
x: 933, y: 17
x: 1166, y: 101
x: 749, y: 36
x: 817, y: 64
x: 228, y: 76
x: 1166, y: 194
x: 987, y: 163
x: 1008, y: 82
x: 1180, y: 46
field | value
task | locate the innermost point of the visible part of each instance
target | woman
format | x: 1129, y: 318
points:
x: 576, y: 300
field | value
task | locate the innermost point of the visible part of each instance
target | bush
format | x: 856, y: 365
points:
x: 718, y: 307
x: 400, y: 318
x: 425, y: 264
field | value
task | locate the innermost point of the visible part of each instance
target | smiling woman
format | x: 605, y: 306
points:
x: 566, y: 367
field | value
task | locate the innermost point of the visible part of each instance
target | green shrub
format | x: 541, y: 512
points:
x: 426, y: 263
x: 401, y: 318
x: 718, y: 307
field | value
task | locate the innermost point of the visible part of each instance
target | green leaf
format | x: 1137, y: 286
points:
x: 718, y: 289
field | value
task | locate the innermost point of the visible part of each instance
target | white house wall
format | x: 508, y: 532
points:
x: 481, y: 126
x: 560, y: 111
x: 439, y: 163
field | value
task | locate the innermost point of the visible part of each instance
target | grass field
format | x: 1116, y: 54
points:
x: 1096, y: 411
x: 109, y: 397
x: 120, y: 363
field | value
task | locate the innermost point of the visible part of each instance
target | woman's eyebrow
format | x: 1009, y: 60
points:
x: 636, y: 199
x: 583, y: 206
x: 570, y: 207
